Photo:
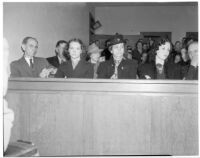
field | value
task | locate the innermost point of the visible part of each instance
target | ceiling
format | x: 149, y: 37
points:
x: 113, y: 4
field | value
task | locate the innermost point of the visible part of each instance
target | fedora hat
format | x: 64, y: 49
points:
x: 93, y: 48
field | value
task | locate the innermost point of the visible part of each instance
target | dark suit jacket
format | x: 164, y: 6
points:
x: 82, y: 70
x: 192, y: 73
x: 20, y: 68
x: 127, y: 69
x: 54, y: 61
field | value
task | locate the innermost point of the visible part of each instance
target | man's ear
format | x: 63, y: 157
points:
x: 56, y: 50
x: 23, y: 47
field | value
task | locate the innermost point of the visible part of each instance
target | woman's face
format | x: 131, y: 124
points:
x: 144, y: 57
x: 163, y: 51
x: 184, y: 54
x: 75, y: 50
x: 118, y: 51
x: 178, y: 46
x: 139, y: 45
x: 95, y: 56
x: 177, y: 58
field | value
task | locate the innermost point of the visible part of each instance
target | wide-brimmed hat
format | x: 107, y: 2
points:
x: 93, y: 48
x: 116, y: 39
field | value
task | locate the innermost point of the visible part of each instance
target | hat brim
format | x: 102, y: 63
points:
x: 96, y: 51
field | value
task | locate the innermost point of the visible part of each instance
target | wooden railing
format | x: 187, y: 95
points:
x: 66, y: 117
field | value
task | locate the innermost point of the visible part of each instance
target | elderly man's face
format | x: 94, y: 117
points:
x: 30, y: 48
x: 193, y: 51
x: 118, y: 51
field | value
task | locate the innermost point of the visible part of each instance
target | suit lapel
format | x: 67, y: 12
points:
x: 56, y: 61
x: 25, y: 66
x: 120, y: 68
x: 111, y: 68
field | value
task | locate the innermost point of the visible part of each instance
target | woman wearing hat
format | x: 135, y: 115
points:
x: 94, y: 57
x: 76, y: 67
x: 117, y: 67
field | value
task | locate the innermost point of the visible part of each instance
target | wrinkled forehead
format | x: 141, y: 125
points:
x: 32, y: 41
x: 192, y: 47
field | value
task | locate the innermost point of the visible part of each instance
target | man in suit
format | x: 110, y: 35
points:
x: 29, y: 65
x: 192, y: 73
x: 117, y: 67
x: 61, y: 56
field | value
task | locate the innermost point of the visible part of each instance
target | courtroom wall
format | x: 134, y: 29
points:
x: 48, y: 22
x: 131, y: 20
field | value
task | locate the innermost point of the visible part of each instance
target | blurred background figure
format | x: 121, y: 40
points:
x: 94, y: 57
x: 185, y: 63
x: 137, y: 52
x: 106, y: 52
x: 177, y: 47
x: 8, y: 114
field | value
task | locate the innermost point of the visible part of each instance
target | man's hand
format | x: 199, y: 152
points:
x: 114, y: 76
x: 53, y: 71
x: 147, y: 77
x: 45, y: 73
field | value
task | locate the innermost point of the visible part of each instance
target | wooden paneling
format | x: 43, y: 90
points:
x: 104, y: 117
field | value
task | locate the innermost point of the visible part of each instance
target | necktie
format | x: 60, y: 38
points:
x: 31, y: 63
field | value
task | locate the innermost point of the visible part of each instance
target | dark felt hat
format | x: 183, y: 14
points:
x: 116, y: 39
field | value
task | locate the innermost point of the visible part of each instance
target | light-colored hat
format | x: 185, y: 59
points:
x: 93, y: 48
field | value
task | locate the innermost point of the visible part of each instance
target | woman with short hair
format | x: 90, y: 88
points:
x: 77, y: 67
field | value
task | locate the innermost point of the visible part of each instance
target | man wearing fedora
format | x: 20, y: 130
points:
x: 94, y: 57
x: 117, y: 67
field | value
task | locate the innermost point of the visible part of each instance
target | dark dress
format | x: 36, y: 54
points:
x: 146, y: 69
x: 150, y: 69
x: 82, y: 70
x: 127, y: 69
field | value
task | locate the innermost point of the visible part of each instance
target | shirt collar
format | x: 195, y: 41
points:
x: 28, y: 59
x: 60, y: 59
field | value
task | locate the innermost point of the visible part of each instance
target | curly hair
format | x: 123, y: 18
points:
x: 162, y: 41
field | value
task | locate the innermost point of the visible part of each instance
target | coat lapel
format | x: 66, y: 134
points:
x: 69, y: 69
x: 79, y: 68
